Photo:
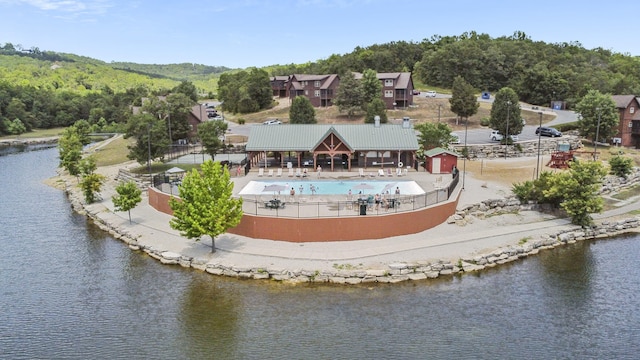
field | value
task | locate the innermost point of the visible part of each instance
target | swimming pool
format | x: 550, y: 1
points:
x: 331, y: 187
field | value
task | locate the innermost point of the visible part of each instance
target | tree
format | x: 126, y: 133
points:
x: 151, y: 138
x: 371, y: 88
x: 349, y: 96
x: 129, y: 196
x: 594, y: 107
x: 188, y: 89
x: 432, y: 135
x: 70, y: 151
x: 505, y: 108
x: 301, y: 111
x: 206, y: 205
x: 91, y: 185
x: 376, y: 108
x: 620, y: 166
x: 15, y: 127
x: 579, y: 188
x: 463, y: 101
x: 210, y: 134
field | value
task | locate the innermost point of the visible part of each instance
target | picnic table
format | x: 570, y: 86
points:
x: 274, y: 204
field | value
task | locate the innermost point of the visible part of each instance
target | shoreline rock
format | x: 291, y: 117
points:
x: 390, y: 273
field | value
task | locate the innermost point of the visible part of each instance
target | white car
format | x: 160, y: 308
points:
x: 497, y: 136
x: 431, y: 93
x: 456, y: 138
x: 272, y: 122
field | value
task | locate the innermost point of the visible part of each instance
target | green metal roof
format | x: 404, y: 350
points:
x: 361, y: 137
x: 438, y: 151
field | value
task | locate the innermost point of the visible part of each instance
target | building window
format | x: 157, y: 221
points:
x: 388, y: 82
x: 388, y: 93
x: 631, y: 110
x: 316, y: 83
x: 306, y: 93
x: 304, y: 83
x: 316, y: 93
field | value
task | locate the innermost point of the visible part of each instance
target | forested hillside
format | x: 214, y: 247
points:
x: 47, y: 89
x: 539, y: 72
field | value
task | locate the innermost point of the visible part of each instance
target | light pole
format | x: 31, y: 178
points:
x: 506, y: 135
x: 595, y: 141
x: 149, y: 153
x: 466, y: 151
x: 539, y: 135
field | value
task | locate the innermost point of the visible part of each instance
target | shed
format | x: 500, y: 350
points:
x: 440, y: 161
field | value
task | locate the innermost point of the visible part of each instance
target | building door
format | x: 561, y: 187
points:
x: 435, y: 165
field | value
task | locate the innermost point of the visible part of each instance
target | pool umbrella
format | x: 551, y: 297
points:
x: 275, y: 188
x: 389, y: 187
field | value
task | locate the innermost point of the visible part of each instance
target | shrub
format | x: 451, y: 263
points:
x: 485, y: 121
x: 241, y: 121
x: 620, y: 166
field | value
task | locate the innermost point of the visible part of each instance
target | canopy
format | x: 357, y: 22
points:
x: 175, y: 170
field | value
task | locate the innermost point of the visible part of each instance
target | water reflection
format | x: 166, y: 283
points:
x: 68, y: 290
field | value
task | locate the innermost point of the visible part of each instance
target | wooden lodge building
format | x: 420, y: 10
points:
x: 332, y: 147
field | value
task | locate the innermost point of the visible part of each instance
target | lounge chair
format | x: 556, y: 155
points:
x: 398, y: 172
x: 389, y: 173
x: 298, y: 172
x: 270, y: 172
x: 290, y: 172
x: 380, y: 172
x: 361, y: 172
x: 279, y: 172
x: 261, y: 172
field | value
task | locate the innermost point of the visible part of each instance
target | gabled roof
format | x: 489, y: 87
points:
x: 402, y: 79
x: 330, y: 131
x: 326, y: 80
x: 437, y: 151
x: 360, y: 137
x: 622, y: 101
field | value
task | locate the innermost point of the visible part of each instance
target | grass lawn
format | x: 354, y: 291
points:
x: 38, y: 133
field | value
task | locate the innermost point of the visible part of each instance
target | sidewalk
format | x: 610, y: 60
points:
x: 447, y: 242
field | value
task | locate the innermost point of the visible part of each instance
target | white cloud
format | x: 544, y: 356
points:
x: 67, y: 8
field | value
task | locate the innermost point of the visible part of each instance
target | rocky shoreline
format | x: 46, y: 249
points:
x: 393, y: 272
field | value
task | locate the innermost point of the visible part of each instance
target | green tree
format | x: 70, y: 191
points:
x: 579, y: 188
x: 432, y: 135
x: 620, y: 166
x: 70, y: 151
x: 376, y: 108
x: 188, y: 89
x: 371, y: 88
x: 210, y: 134
x: 349, y: 96
x: 594, y: 107
x: 463, y: 101
x: 83, y: 129
x: 15, y: 127
x: 129, y: 196
x: 91, y: 185
x: 151, y: 137
x: 505, y: 113
x: 206, y: 205
x: 87, y: 165
x: 301, y: 111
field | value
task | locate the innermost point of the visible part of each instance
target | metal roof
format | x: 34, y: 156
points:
x: 360, y: 137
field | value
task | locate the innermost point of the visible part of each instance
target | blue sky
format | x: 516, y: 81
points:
x: 244, y: 33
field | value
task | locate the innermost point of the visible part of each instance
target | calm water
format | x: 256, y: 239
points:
x: 69, y: 291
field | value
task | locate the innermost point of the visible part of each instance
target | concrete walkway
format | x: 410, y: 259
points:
x: 447, y: 242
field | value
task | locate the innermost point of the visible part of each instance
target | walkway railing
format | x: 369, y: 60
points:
x: 319, y: 206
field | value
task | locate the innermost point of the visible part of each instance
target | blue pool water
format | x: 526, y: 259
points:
x: 331, y: 187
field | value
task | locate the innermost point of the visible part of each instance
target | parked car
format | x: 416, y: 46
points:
x: 431, y: 93
x: 456, y: 138
x: 548, y: 131
x: 496, y: 135
x: 416, y: 92
x: 272, y: 122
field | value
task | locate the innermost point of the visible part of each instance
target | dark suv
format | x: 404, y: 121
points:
x: 548, y: 131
